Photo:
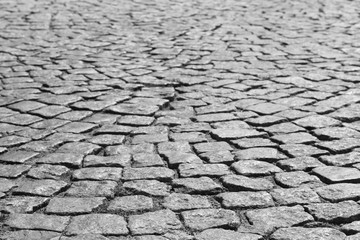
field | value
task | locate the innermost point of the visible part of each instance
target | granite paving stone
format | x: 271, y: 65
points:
x: 179, y: 120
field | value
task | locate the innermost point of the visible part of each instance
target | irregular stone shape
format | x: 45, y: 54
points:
x: 36, y: 221
x: 317, y: 121
x: 157, y: 173
x: 242, y: 183
x: 30, y: 235
x: 353, y: 237
x: 302, y: 150
x: 222, y: 234
x: 346, y: 211
x: 299, y: 233
x: 92, y: 189
x: 154, y: 222
x: 13, y: 141
x: 194, y: 170
x: 176, y: 158
x: 149, y: 138
x: 236, y: 133
x: 209, y: 218
x: 180, y: 201
x: 180, y: 147
x: 107, y: 139
x: 6, y: 185
x: 294, y: 196
x: 134, y: 109
x: 197, y: 185
x: 346, y: 159
x: 45, y: 171
x: 337, y: 174
x: 121, y: 160
x: 339, y: 192
x: 13, y: 171
x: 294, y: 179
x: 44, y: 188
x: 253, y: 142
x: 85, y: 237
x: 218, y: 157
x: 255, y: 168
x: 147, y: 160
x: 105, y: 224
x: 300, y: 164
x: 135, y: 120
x: 22, y: 204
x: 131, y: 203
x: 149, y: 187
x: 216, y: 117
x: 257, y: 154
x: 282, y: 128
x: 341, y: 145
x: 191, y: 137
x: 351, y: 228
x: 79, y: 148
x: 246, y: 199
x: 70, y: 205
x: 69, y: 159
x: 266, y: 108
x: 293, y: 138
x: 212, y: 147
x: 98, y: 173
x: 17, y: 156
x: 336, y: 133
x: 269, y: 219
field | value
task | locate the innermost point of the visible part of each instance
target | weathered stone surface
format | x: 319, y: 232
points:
x: 44, y: 188
x: 294, y: 196
x: 70, y: 205
x: 209, y: 218
x: 339, y: 192
x: 294, y: 179
x: 236, y: 133
x: 121, y: 160
x: 92, y: 189
x: 180, y: 201
x: 149, y: 187
x: 222, y: 234
x: 299, y: 233
x: 197, y: 185
x: 346, y: 211
x: 257, y: 154
x: 300, y: 164
x: 37, y: 221
x: 157, y: 173
x: 31, y: 235
x: 195, y: 170
x: 131, y: 203
x: 46, y: 171
x: 346, y: 159
x: 270, y: 219
x: 351, y: 228
x: 147, y: 160
x: 17, y: 156
x: 245, y: 199
x: 98, y: 173
x: 212, y: 146
x: 177, y: 158
x: 154, y: 222
x: 70, y: 159
x: 242, y: 183
x: 337, y: 174
x: 255, y: 168
x: 13, y: 171
x: 22, y: 204
x: 105, y: 224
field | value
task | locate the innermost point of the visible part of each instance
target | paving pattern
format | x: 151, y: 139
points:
x: 179, y: 120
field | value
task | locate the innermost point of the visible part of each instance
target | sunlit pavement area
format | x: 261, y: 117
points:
x: 179, y: 120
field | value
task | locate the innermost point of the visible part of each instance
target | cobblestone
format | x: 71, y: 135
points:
x: 179, y: 120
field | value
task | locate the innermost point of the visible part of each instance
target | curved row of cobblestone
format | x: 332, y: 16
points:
x: 179, y: 120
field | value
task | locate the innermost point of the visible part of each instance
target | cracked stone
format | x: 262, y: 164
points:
x: 131, y: 203
x: 22, y: 204
x: 255, y: 168
x: 197, y: 185
x: 149, y: 187
x: 180, y: 201
x: 157, y: 173
x: 44, y: 188
x: 339, y: 192
x: 92, y: 189
x: 294, y: 196
x: 294, y: 179
x: 69, y: 205
x: 98, y: 173
x: 193, y: 170
x: 242, y: 183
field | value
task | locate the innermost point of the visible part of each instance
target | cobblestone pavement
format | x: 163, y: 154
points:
x: 179, y: 120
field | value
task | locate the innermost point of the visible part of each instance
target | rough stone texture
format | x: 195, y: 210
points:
x: 222, y: 234
x: 125, y: 108
x: 299, y: 233
x: 154, y: 222
x: 37, y: 221
x: 268, y: 220
x: 106, y: 224
x: 209, y: 218
x: 131, y: 203
x: 238, y: 200
x: 71, y: 205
